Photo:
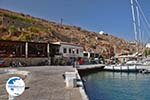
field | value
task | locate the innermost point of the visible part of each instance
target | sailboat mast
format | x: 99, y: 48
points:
x: 139, y: 23
x: 134, y: 21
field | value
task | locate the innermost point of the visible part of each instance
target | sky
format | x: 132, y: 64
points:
x: 111, y: 16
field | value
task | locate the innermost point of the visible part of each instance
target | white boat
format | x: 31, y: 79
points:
x: 129, y: 67
x: 146, y: 61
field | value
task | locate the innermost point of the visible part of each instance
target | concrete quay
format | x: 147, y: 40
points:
x: 91, y: 67
x: 47, y: 83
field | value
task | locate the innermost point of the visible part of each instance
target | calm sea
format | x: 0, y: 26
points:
x: 117, y: 86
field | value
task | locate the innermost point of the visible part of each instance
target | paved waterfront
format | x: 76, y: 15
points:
x: 47, y: 83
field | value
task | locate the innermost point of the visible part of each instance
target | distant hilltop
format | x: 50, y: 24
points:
x: 20, y: 27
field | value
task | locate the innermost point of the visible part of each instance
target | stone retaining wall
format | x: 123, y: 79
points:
x: 27, y: 61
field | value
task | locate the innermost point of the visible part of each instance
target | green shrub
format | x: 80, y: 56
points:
x: 28, y: 37
x: 33, y: 29
x: 12, y: 28
x: 147, y: 52
x: 15, y: 17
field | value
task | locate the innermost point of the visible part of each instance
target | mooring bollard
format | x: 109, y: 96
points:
x: 113, y: 68
x: 70, y: 78
x: 135, y: 67
x: 121, y: 68
x: 128, y: 68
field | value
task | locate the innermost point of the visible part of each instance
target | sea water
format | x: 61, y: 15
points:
x: 117, y: 86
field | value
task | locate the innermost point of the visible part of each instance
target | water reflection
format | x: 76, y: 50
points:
x: 117, y: 86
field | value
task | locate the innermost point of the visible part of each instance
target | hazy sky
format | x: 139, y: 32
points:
x: 111, y: 16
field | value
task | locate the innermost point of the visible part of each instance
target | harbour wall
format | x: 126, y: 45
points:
x: 26, y: 61
x: 82, y: 89
x: 84, y: 69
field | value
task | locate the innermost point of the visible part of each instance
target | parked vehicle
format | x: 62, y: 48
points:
x: 17, y: 64
x: 2, y: 63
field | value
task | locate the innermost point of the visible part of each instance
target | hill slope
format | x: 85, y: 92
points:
x: 21, y: 27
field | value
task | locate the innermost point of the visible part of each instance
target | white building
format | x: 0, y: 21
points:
x: 90, y: 54
x: 101, y: 32
x: 70, y: 50
x: 148, y: 45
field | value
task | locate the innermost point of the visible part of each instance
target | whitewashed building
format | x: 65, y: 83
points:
x: 70, y: 50
x: 90, y: 54
x: 148, y: 45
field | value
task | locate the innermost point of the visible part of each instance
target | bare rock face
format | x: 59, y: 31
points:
x: 21, y: 27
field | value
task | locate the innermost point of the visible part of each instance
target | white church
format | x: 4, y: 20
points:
x: 147, y: 45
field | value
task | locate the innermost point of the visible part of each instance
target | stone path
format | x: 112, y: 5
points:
x: 47, y: 83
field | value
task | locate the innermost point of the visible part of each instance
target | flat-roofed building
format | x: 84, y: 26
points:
x: 69, y: 50
x: 32, y: 53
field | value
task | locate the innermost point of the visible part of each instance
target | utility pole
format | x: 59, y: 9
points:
x: 61, y: 21
x: 71, y: 37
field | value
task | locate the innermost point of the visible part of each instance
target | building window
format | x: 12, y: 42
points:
x: 86, y: 54
x: 57, y: 50
x: 77, y: 51
x: 65, y: 50
x: 91, y: 54
x: 81, y: 51
x: 73, y: 51
x: 69, y: 50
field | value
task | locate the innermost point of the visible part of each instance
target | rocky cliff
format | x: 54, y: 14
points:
x: 21, y: 27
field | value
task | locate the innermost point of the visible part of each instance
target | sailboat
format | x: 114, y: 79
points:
x: 136, y: 66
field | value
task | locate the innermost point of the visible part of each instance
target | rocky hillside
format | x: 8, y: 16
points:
x: 21, y: 27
